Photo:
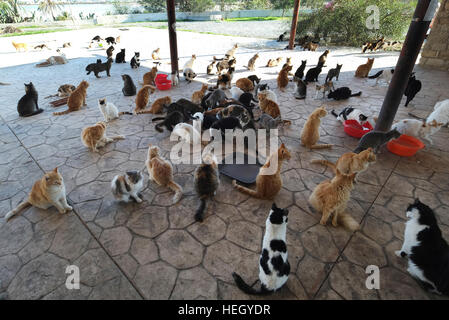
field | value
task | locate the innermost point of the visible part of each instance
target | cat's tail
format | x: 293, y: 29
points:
x: 124, y: 112
x: 321, y: 146
x: 43, y: 64
x: 199, y: 214
x: 119, y: 137
x: 177, y: 189
x: 356, y: 94
x: 157, y: 119
x: 324, y: 163
x: 348, y: 222
x: 245, y: 190
x: 334, y: 113
x: 23, y: 205
x: 34, y: 113
x: 242, y: 285
x: 377, y: 75
x: 4, y: 84
x: 61, y: 113
x: 158, y: 127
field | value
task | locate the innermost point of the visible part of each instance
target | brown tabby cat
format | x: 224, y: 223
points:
x: 245, y: 84
x: 148, y: 78
x: 268, y: 106
x: 364, y: 69
x: 46, y: 192
x: 267, y: 185
x: 143, y: 97
x: 95, y: 137
x: 161, y: 172
x: 273, y: 62
x: 332, y: 196
x: 252, y: 62
x: 311, y: 46
x: 283, y: 78
x: 76, y: 100
x: 157, y: 106
x: 197, y: 96
x: 310, y: 133
x: 323, y: 58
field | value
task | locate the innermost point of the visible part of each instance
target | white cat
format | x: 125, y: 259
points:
x: 231, y: 52
x: 187, y: 133
x: 417, y: 128
x: 189, y: 63
x: 109, y: 110
x: 386, y: 76
x: 236, y: 92
x: 440, y: 114
x: 127, y: 186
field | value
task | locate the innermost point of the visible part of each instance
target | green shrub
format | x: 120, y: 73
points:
x: 345, y: 21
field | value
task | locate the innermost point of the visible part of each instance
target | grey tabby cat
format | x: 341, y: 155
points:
x: 376, y: 139
x: 301, y: 89
x: 334, y: 73
x: 267, y: 122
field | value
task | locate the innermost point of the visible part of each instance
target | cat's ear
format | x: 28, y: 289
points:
x: 273, y: 206
x: 55, y: 170
x: 416, y: 201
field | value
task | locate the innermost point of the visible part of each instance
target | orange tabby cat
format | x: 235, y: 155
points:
x: 213, y: 111
x: 283, y: 77
x: 310, y: 133
x: 148, y: 78
x: 332, y: 196
x: 197, y: 96
x: 267, y: 186
x: 245, y: 84
x: 268, y: 106
x: 46, y: 192
x: 20, y: 46
x: 161, y: 172
x: 364, y: 69
x: 94, y: 136
x: 157, y: 106
x: 143, y: 97
x: 76, y: 100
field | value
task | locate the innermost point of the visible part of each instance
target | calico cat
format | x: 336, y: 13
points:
x: 268, y: 106
x: 65, y: 90
x: 282, y: 79
x: 301, y: 89
x: 206, y: 182
x: 226, y: 64
x: 385, y: 75
x: 334, y: 73
x: 187, y: 133
x: 350, y: 113
x: 252, y: 62
x: 310, y: 133
x: 274, y: 267
x: 67, y: 45
x: 110, y: 51
x: 331, y: 197
x: 109, y: 110
x: 323, y: 58
x: 215, y: 99
x: 426, y: 249
x: 267, y: 122
x: 46, y: 192
x: 299, y: 74
x: 343, y: 93
x: 210, y: 67
x: 160, y: 171
x: 313, y: 73
x: 273, y: 62
x: 94, y: 137
x: 20, y: 46
x: 110, y: 40
x: 268, y: 185
x: 239, y: 112
x: 129, y: 88
x: 417, y: 128
x: 135, y: 61
x: 189, y: 74
x: 224, y: 80
x: 150, y: 76
x: 120, y: 56
x: 127, y: 186
x: 326, y: 87
x: 245, y: 84
x: 98, y: 67
x: 364, y: 69
x: 169, y: 121
x: 231, y: 52
x: 157, y: 106
x: 155, y: 54
x: 143, y: 97
x: 76, y: 100
x: 28, y: 104
x: 413, y: 87
x: 376, y: 139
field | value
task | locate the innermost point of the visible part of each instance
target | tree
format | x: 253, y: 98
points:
x: 9, y: 11
x: 283, y: 4
x: 224, y: 3
x: 154, y: 5
x: 49, y: 7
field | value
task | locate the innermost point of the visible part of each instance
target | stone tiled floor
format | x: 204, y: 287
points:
x: 155, y: 250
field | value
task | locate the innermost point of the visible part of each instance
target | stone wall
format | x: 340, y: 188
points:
x: 435, y: 53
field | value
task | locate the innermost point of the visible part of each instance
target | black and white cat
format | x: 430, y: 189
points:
x: 426, y: 249
x: 274, y: 267
x: 135, y: 61
x: 127, y: 186
x: 343, y: 93
x: 350, y: 113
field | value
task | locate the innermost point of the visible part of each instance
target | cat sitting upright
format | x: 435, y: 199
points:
x: 109, y: 110
x: 310, y: 133
x: 127, y: 186
x: 274, y: 267
x: 135, y: 61
x: 206, y: 182
x: 28, y: 105
x: 120, y: 56
x: 364, y: 69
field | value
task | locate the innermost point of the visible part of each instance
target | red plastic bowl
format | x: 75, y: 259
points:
x: 354, y: 129
x: 166, y: 85
x: 405, y: 146
x: 161, y: 77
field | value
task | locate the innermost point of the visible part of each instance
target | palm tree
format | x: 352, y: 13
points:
x: 9, y: 11
x: 49, y: 7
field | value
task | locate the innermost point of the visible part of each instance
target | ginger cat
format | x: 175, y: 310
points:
x: 158, y: 106
x: 143, y: 97
x: 332, y: 196
x: 310, y: 133
x: 155, y: 54
x: 95, y: 137
x: 283, y: 77
x: 364, y: 69
x: 46, y: 192
x: 20, y: 46
x: 351, y: 162
x: 197, y: 96
x: 148, y: 78
x: 76, y: 100
x: 245, y: 84
x: 268, y: 106
x: 161, y: 172
x: 267, y: 185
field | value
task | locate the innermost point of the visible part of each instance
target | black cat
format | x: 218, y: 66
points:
x: 110, y: 40
x: 299, y: 74
x: 169, y: 121
x: 129, y: 88
x: 312, y: 74
x: 413, y: 87
x: 120, y: 57
x: 98, y: 67
x: 226, y: 123
x: 27, y: 105
x: 282, y: 37
x: 342, y: 93
x: 97, y: 38
x: 135, y: 61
